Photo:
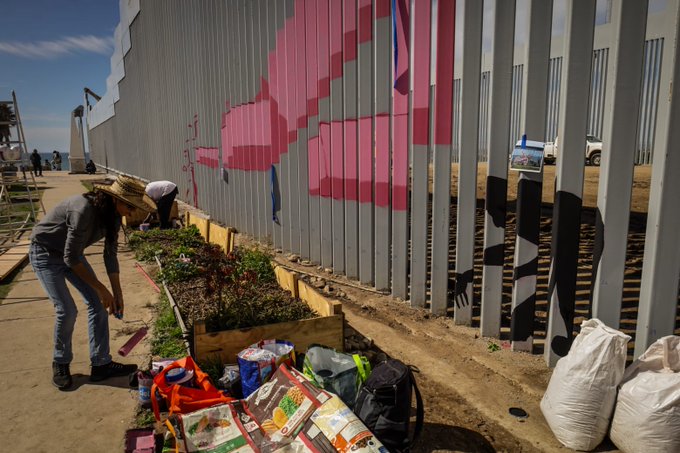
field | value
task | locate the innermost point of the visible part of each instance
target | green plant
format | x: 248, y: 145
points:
x: 492, y: 346
x: 178, y: 271
x: 187, y: 251
x: 165, y: 244
x: 255, y: 261
x: 147, y: 252
x: 167, y: 338
x: 213, y: 366
x: 144, y: 418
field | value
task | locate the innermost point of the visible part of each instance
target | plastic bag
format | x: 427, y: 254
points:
x: 295, y: 416
x: 336, y: 372
x: 647, y: 414
x: 580, y: 397
x: 259, y: 361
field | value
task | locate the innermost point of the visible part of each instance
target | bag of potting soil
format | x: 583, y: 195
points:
x: 296, y: 416
x: 339, y: 373
x: 384, y: 405
x: 223, y: 428
x: 580, y: 397
x: 647, y: 413
x: 258, y: 362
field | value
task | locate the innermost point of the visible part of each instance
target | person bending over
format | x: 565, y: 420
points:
x: 56, y: 253
x: 163, y: 193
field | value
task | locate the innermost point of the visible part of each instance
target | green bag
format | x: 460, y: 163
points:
x: 336, y: 372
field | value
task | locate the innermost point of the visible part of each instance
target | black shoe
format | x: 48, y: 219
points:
x: 112, y: 369
x: 61, y: 376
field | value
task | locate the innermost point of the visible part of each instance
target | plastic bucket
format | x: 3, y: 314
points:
x: 144, y: 386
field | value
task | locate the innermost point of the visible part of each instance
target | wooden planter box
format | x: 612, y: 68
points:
x: 327, y: 329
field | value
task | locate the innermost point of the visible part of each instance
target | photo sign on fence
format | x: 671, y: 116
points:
x: 527, y: 156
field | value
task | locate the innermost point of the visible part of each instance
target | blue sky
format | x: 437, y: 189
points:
x: 49, y: 51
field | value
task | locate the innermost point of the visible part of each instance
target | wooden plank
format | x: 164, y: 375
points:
x: 13, y: 258
x: 318, y: 302
x: 287, y: 280
x: 219, y: 235
x: 232, y: 239
x: 228, y: 343
x: 202, y: 223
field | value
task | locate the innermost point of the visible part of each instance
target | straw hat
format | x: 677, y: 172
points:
x: 130, y: 191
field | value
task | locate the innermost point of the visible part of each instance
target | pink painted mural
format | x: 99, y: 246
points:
x: 350, y: 158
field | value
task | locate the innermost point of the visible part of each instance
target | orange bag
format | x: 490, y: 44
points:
x: 182, y: 400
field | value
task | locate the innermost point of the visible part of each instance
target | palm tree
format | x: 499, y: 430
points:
x: 7, y: 119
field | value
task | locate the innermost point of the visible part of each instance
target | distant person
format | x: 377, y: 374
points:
x: 57, y: 254
x: 56, y: 160
x: 91, y: 168
x: 36, y: 160
x: 163, y: 193
x: 47, y: 165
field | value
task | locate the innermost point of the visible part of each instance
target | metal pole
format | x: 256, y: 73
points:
x: 530, y: 185
x: 576, y: 70
x: 622, y: 106
x: 467, y: 167
x: 659, y: 285
x: 497, y: 175
x: 441, y: 202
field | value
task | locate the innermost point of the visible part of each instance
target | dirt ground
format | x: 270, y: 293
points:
x: 91, y: 417
x: 467, y: 388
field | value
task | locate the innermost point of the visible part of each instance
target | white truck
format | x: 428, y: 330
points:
x: 593, y: 151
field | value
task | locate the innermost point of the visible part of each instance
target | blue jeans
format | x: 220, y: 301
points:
x: 53, y: 273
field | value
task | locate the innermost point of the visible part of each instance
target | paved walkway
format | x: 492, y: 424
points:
x: 91, y: 417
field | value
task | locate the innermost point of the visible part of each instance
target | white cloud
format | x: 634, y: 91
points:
x: 53, y: 49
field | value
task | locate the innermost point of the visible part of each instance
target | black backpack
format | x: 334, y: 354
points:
x: 384, y: 405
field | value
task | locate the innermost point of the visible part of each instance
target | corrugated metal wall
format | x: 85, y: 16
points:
x: 650, y: 100
x: 554, y: 79
x: 484, y: 95
x: 292, y: 121
x: 598, y: 83
x: 516, y: 103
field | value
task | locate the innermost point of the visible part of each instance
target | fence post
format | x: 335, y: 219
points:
x: 530, y: 185
x: 497, y: 168
x: 467, y: 166
x: 441, y: 187
x: 576, y: 71
x: 622, y: 106
x: 659, y: 285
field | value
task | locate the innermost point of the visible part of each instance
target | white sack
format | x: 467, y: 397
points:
x: 647, y: 414
x: 580, y: 398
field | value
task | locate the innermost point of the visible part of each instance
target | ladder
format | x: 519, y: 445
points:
x: 18, y: 190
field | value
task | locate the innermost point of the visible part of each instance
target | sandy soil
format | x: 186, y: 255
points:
x: 467, y: 389
x: 92, y: 417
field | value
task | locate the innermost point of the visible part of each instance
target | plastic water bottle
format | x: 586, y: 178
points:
x: 133, y: 341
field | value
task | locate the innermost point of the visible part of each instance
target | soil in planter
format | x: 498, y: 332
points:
x: 231, y: 291
x: 251, y: 305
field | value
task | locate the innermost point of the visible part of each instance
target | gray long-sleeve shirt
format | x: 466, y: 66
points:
x: 72, y: 226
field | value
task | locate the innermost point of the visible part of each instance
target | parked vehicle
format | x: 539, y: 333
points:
x: 593, y: 151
